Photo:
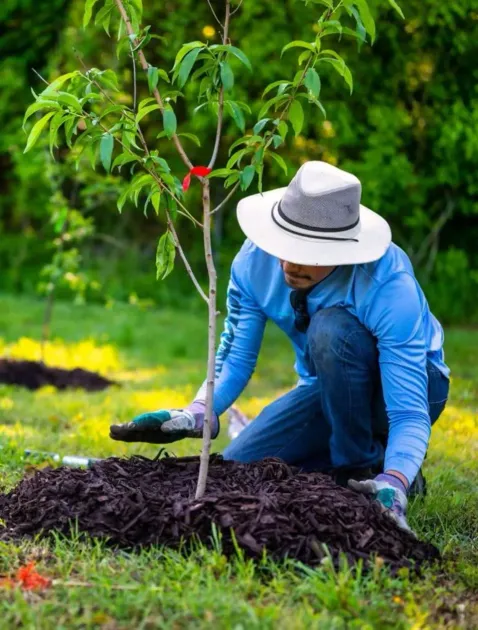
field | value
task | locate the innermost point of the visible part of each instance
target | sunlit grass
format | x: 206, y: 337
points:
x: 158, y: 359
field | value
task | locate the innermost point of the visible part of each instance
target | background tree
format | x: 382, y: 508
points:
x: 405, y: 131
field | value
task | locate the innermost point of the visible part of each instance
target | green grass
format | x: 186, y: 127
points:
x: 158, y: 356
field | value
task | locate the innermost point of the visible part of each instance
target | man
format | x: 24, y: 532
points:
x: 369, y: 357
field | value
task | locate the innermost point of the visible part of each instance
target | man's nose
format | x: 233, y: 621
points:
x: 289, y: 267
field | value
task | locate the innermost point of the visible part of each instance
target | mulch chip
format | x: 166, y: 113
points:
x: 34, y: 374
x: 269, y: 505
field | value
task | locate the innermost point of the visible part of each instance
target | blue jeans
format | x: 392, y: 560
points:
x: 315, y: 426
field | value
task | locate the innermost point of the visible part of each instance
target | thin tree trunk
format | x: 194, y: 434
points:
x: 206, y: 445
x: 45, y: 335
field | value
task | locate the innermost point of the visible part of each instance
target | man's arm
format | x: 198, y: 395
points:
x: 240, y: 343
x: 395, y: 318
x: 235, y: 362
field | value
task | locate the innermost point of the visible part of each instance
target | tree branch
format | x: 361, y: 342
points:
x: 135, y: 87
x: 237, y: 8
x: 220, y: 113
x: 215, y: 15
x: 434, y: 233
x: 184, y: 259
x: 226, y: 199
x: 145, y: 66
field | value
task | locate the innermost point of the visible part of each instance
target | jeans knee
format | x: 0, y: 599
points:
x: 335, y: 335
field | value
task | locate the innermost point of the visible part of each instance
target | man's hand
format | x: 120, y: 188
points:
x: 390, y: 493
x: 165, y: 425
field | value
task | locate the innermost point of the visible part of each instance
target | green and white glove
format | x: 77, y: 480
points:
x: 165, y: 425
x: 390, y: 493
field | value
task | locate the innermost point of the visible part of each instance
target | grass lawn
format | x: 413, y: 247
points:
x: 158, y: 356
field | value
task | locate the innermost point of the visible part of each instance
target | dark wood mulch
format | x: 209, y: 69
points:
x: 34, y: 374
x: 268, y: 505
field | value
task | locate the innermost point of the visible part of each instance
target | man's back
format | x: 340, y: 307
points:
x: 357, y: 288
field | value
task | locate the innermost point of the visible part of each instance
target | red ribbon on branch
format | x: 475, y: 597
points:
x: 199, y: 171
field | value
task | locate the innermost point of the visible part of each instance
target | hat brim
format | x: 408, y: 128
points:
x: 254, y: 214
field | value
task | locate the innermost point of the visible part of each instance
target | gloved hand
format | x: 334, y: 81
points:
x: 390, y: 493
x: 165, y: 425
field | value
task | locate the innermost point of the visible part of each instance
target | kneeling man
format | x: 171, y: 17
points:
x: 369, y: 353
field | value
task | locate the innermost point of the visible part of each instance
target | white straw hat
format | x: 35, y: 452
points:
x: 316, y: 220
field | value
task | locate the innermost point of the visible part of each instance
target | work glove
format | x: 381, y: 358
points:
x: 166, y: 425
x: 391, y: 495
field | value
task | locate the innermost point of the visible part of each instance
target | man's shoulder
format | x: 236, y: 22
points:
x: 394, y: 261
x: 254, y: 270
x: 251, y: 255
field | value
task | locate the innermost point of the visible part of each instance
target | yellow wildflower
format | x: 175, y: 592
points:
x: 209, y: 32
x: 328, y: 130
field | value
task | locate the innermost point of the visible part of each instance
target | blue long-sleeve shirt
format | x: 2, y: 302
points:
x: 384, y: 296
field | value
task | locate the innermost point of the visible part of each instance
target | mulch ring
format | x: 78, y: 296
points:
x: 269, y: 505
x: 34, y: 374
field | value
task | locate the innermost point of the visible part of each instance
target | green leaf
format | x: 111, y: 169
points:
x: 280, y: 161
x: 244, y: 140
x: 164, y: 75
x: 184, y: 50
x: 236, y: 158
x: 146, y: 101
x: 156, y: 200
x: 56, y: 123
x: 277, y: 140
x: 145, y: 111
x: 397, y: 8
x: 341, y: 68
x: 71, y: 123
x: 237, y: 52
x: 322, y: 108
x: 122, y: 159
x: 275, y: 84
x: 106, y: 150
x: 259, y: 126
x: 232, y: 179
x: 103, y: 17
x: 282, y: 128
x: 192, y: 137
x: 312, y: 82
x: 165, y: 255
x: 298, y: 43
x: 122, y: 199
x: 186, y: 66
x: 366, y: 15
x: 221, y: 172
x: 109, y: 79
x: 58, y: 82
x: 170, y: 122
x: 361, y: 31
x: 36, y: 131
x: 227, y: 76
x: 304, y: 56
x: 172, y: 207
x: 237, y: 115
x: 153, y: 77
x: 161, y: 162
x: 70, y: 101
x: 88, y: 12
x: 247, y: 176
x: 38, y: 105
x: 275, y: 100
x: 296, y: 117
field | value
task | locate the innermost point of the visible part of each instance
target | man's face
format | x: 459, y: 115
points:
x: 303, y: 276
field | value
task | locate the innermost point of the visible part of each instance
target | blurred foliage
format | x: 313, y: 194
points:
x: 409, y: 131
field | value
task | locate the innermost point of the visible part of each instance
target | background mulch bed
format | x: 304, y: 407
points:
x: 34, y: 374
x: 268, y: 505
